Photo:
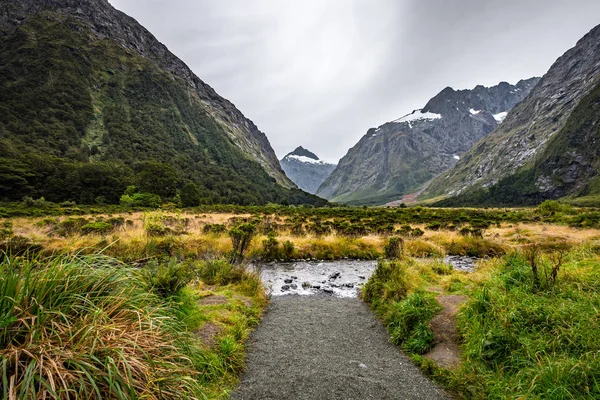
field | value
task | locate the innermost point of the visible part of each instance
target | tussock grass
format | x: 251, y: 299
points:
x: 186, y: 237
x: 85, y: 326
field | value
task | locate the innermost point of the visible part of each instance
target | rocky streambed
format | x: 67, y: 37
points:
x: 341, y: 278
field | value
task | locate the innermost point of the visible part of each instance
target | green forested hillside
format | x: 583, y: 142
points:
x: 568, y: 166
x: 82, y: 118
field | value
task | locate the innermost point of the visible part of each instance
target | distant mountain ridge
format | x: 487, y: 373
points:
x: 398, y: 157
x: 546, y: 148
x: 305, y: 169
x: 83, y: 87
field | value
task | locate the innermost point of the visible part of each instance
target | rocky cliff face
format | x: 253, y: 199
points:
x: 106, y: 22
x: 399, y: 157
x: 305, y: 169
x: 528, y: 129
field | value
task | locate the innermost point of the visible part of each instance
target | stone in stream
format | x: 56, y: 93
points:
x: 294, y: 286
x: 335, y: 275
x: 287, y: 280
x: 285, y: 288
x: 328, y: 291
x: 361, y: 277
x: 294, y: 277
x: 348, y: 285
x: 316, y: 286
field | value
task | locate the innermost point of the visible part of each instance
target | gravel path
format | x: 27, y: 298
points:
x: 322, y: 347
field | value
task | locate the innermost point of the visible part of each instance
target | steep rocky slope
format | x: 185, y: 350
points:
x: 90, y: 102
x: 523, y: 139
x: 568, y: 166
x: 305, y: 169
x: 400, y: 156
x: 105, y: 22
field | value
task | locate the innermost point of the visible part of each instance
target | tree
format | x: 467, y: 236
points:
x: 157, y: 178
x: 190, y: 195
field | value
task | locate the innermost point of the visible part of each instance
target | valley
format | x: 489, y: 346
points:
x: 153, y: 245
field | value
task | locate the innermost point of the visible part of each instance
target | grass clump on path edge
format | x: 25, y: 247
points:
x: 90, y: 327
x: 405, y: 309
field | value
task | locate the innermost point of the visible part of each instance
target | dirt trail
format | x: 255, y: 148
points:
x: 446, y: 352
x: 323, y: 347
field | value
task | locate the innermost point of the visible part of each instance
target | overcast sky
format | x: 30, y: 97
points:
x: 319, y: 73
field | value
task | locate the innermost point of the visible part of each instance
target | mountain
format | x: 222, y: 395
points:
x: 547, y: 146
x: 400, y: 157
x: 305, y: 169
x: 91, y: 102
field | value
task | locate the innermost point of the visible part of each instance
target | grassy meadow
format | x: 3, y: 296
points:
x: 113, y: 303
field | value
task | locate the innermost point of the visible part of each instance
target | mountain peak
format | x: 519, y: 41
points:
x: 305, y: 169
x: 302, y: 152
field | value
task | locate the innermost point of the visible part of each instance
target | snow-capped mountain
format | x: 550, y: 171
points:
x: 400, y: 156
x: 548, y: 146
x: 305, y: 169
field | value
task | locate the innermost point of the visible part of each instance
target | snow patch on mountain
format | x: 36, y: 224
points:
x: 307, y: 160
x: 417, y: 115
x: 500, y: 116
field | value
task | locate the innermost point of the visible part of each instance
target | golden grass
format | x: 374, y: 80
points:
x: 131, y: 241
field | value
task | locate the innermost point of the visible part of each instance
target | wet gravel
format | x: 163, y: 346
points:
x: 462, y: 263
x: 341, y: 278
x: 327, y: 347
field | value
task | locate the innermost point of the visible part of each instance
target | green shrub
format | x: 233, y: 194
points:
x: 417, y: 232
x: 154, y: 225
x: 434, y: 226
x: 70, y: 226
x: 167, y: 278
x: 241, y: 237
x: 271, y: 248
x: 39, y: 203
x: 551, y: 207
x: 116, y: 222
x: 50, y: 222
x: 408, y: 231
x: 146, y: 200
x: 96, y: 228
x: 289, y: 250
x: 214, y: 228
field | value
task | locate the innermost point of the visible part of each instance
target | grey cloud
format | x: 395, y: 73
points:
x: 319, y: 73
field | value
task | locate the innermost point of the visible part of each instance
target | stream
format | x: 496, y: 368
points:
x: 342, y: 278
